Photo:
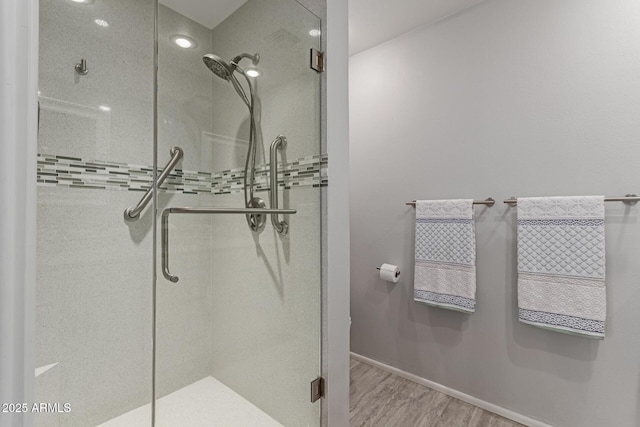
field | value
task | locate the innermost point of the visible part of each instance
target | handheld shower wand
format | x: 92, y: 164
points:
x: 226, y: 72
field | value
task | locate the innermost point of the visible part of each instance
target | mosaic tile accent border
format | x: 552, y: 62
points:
x: 65, y: 171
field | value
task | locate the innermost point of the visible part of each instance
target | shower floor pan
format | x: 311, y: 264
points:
x: 205, y: 403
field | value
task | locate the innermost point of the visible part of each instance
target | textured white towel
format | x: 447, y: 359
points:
x: 561, y: 264
x: 445, y: 270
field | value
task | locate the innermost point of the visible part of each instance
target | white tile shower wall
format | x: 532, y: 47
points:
x: 79, y: 173
x: 524, y: 98
x: 288, y: 90
x: 119, y: 61
x: 266, y: 308
x: 184, y: 92
x: 94, y: 270
x: 183, y: 310
x: 267, y: 289
x: 93, y: 305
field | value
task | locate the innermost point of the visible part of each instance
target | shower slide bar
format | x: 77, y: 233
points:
x: 165, y: 226
x: 132, y: 214
x: 628, y: 199
x: 487, y: 202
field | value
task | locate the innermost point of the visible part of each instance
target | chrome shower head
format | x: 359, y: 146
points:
x: 224, y: 69
x: 219, y: 66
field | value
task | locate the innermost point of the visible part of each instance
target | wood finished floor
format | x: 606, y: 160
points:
x: 379, y: 398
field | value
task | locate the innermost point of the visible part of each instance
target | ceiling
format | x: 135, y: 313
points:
x: 207, y: 13
x: 372, y: 22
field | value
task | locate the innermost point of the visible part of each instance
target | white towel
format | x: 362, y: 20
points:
x: 445, y: 270
x: 561, y: 264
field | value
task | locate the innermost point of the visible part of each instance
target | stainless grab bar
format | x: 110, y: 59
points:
x: 165, y: 226
x: 280, y: 143
x: 132, y: 214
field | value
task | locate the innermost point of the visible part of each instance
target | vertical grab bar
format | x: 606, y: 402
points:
x: 279, y: 143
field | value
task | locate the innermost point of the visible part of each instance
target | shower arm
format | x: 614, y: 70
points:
x: 216, y: 211
x: 254, y: 59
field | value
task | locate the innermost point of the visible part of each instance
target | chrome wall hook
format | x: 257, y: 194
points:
x: 81, y: 67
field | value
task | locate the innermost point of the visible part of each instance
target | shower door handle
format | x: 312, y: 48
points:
x: 203, y: 211
x: 279, y: 143
x: 164, y: 224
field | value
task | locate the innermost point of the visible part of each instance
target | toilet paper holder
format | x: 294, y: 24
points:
x: 397, y: 272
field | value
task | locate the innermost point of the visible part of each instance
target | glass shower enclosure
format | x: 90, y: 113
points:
x: 179, y: 250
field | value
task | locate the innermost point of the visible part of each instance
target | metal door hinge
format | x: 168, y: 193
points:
x: 317, y: 389
x: 317, y: 60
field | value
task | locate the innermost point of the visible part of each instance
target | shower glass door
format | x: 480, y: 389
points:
x: 94, y: 328
x: 237, y: 337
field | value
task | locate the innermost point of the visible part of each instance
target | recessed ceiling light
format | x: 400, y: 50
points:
x: 315, y: 32
x: 252, y: 72
x: 105, y: 108
x: 183, y: 42
x: 80, y: 1
x: 101, y: 22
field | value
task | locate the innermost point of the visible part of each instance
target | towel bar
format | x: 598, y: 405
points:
x: 488, y: 202
x: 628, y: 199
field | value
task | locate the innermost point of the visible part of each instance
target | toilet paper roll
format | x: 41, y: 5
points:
x: 390, y: 273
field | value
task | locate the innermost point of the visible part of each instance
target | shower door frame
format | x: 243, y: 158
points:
x: 19, y: 41
x: 19, y: 20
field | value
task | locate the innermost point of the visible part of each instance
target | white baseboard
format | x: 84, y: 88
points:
x: 503, y: 412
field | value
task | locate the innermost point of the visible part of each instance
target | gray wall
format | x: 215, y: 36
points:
x: 510, y: 98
